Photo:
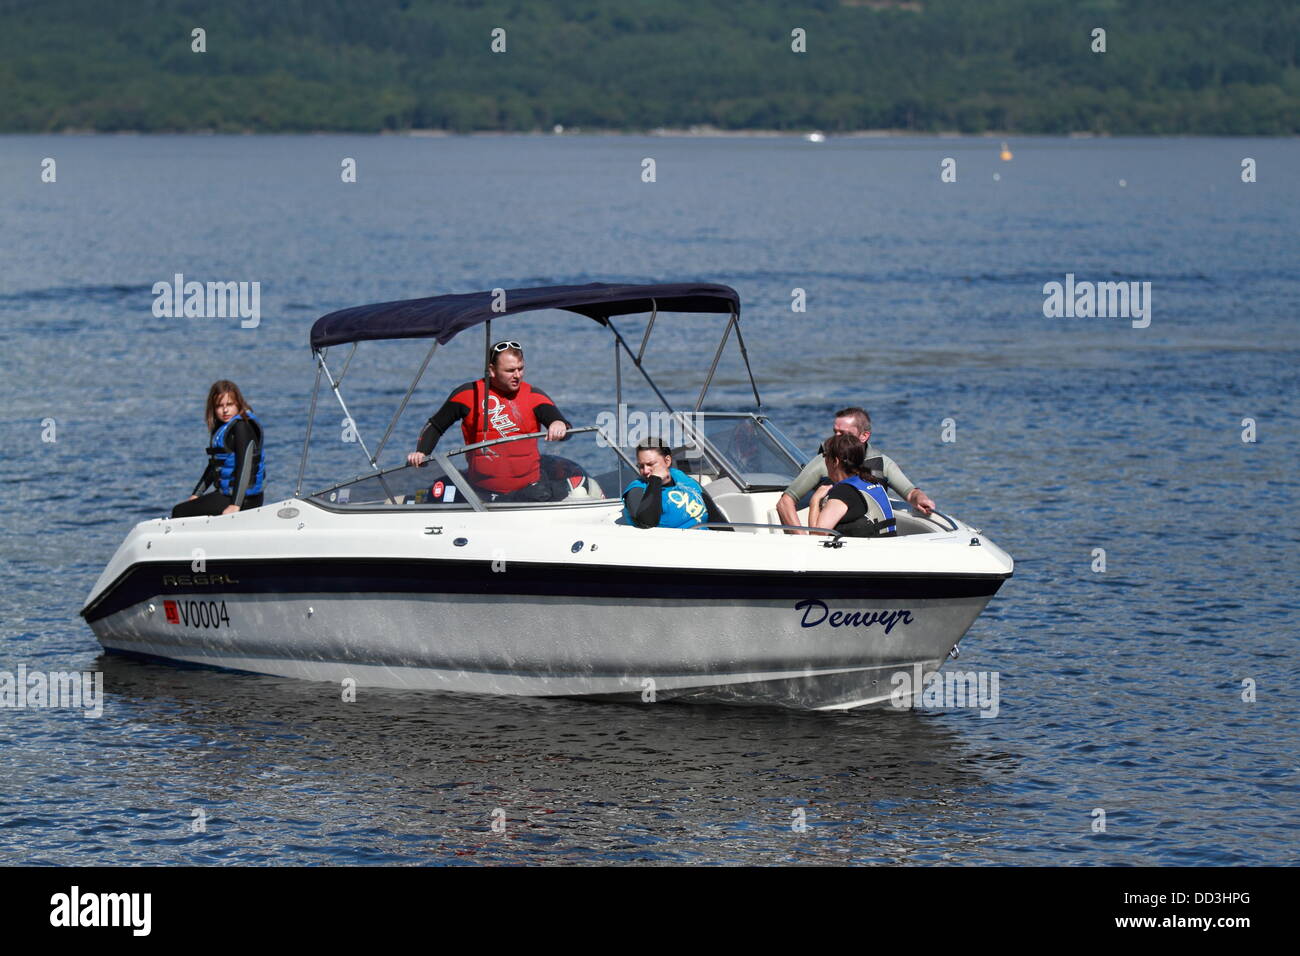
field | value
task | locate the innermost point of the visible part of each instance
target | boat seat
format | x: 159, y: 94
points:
x: 590, y: 488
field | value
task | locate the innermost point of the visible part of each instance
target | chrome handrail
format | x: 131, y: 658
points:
x: 497, y: 441
x: 758, y: 524
x: 948, y: 518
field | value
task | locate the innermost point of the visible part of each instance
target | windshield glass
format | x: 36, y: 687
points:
x: 584, y: 467
x: 749, y: 449
x: 795, y: 452
x: 428, y: 486
x: 521, y: 470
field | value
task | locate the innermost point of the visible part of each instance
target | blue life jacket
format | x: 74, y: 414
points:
x: 682, y: 502
x: 878, y: 520
x: 225, y: 458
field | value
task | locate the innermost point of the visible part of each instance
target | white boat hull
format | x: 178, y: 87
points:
x: 724, y: 652
x: 629, y: 614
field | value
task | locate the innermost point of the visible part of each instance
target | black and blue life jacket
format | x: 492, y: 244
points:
x: 878, y: 520
x: 224, y: 458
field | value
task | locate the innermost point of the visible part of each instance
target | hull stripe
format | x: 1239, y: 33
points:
x: 326, y: 576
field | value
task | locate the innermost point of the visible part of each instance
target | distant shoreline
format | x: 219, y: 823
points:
x: 666, y: 133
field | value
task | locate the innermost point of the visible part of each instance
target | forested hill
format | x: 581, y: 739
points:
x: 1170, y: 66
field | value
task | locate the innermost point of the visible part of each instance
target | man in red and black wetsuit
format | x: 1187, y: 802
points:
x: 513, y: 407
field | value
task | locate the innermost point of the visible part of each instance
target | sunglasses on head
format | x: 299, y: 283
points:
x: 502, y: 346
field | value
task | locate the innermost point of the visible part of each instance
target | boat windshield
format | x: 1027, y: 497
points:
x: 407, y: 487
x: 585, y: 467
x: 749, y: 446
x: 520, y: 470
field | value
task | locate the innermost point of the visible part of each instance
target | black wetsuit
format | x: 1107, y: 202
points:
x: 242, y: 440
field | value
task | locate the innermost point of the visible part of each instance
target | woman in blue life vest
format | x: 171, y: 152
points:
x: 854, y: 504
x: 236, y: 466
x: 664, y: 497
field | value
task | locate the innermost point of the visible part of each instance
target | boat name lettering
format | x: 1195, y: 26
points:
x: 191, y: 580
x: 815, y: 612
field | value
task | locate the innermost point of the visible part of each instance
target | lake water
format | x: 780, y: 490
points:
x: 1120, y: 690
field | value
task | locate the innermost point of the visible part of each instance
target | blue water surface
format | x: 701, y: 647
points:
x: 1126, y: 691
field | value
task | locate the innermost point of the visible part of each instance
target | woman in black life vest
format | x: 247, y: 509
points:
x: 236, y: 466
x: 855, y: 503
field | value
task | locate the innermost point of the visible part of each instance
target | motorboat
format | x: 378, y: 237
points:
x: 414, y: 577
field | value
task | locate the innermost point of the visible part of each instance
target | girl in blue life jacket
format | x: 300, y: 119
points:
x: 854, y: 504
x: 664, y: 497
x: 236, y: 466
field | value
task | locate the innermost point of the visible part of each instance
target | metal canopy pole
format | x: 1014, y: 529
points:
x: 644, y: 375
x: 740, y: 340
x: 618, y: 376
x: 348, y: 362
x: 717, y: 356
x: 487, y: 364
x: 620, y: 420
x: 379, y: 450
x: 645, y: 340
x: 311, y: 417
x: 357, y: 431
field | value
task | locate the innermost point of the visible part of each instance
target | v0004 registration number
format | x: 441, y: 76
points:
x: 207, y: 614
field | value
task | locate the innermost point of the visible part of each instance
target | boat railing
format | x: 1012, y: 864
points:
x: 952, y: 524
x: 802, y: 529
x: 572, y: 431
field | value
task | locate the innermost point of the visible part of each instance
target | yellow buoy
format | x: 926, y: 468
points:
x: 1006, y: 153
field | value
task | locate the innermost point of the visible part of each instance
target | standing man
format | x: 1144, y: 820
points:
x: 512, y: 407
x: 857, y: 423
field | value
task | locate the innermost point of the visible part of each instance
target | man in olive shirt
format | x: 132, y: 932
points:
x: 855, y: 422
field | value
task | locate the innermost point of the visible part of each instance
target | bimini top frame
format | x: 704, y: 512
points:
x: 443, y: 317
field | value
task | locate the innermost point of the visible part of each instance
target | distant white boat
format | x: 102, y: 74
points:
x: 816, y: 136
